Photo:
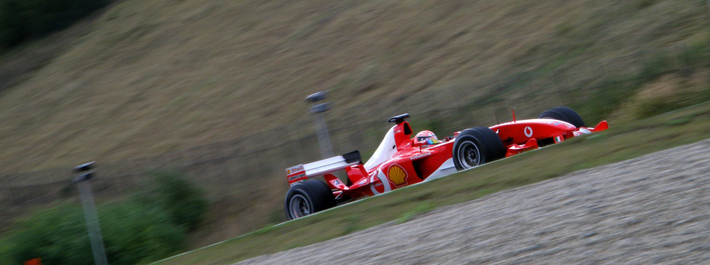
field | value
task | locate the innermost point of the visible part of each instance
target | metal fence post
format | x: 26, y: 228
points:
x: 326, y: 148
x: 92, y: 218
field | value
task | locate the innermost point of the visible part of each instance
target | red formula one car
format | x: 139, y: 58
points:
x: 402, y: 160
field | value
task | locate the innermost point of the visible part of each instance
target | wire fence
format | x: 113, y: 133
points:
x: 256, y: 163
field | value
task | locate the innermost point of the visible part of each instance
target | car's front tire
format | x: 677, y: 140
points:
x: 308, y: 197
x: 476, y: 146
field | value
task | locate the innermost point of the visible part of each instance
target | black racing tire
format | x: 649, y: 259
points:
x: 564, y: 114
x: 308, y: 197
x: 495, y: 146
x: 477, y: 146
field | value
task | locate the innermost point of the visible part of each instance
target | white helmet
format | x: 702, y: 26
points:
x: 426, y: 137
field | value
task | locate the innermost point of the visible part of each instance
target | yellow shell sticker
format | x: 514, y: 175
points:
x: 397, y: 175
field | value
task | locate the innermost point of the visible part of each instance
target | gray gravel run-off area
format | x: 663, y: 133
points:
x: 653, y: 209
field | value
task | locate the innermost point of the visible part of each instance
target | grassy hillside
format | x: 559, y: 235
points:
x: 156, y: 76
x: 150, y: 77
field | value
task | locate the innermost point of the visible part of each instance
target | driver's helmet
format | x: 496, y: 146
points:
x: 426, y: 138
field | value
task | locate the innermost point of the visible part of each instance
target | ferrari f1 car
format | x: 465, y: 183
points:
x: 402, y: 160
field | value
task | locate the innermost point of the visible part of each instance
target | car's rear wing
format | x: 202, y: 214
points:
x: 329, y: 165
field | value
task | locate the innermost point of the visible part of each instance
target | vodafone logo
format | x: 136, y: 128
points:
x: 528, y: 131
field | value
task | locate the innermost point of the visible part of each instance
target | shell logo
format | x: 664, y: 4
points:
x: 397, y: 175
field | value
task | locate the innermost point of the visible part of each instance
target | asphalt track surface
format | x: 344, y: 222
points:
x: 653, y: 209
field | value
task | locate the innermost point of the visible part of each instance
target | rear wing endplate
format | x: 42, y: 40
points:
x: 329, y: 165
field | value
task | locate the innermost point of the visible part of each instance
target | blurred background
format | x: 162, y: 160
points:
x: 204, y: 100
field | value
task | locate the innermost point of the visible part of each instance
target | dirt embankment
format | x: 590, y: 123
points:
x: 650, y: 210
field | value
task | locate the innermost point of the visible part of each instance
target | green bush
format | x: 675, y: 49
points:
x: 169, y: 191
x: 149, y: 227
x: 131, y: 232
x: 134, y: 234
x: 26, y: 19
x: 51, y: 234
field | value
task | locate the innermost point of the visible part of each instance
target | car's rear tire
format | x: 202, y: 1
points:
x: 564, y: 114
x: 308, y: 197
x: 477, y: 146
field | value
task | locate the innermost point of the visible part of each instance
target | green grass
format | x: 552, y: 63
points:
x: 621, y: 142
